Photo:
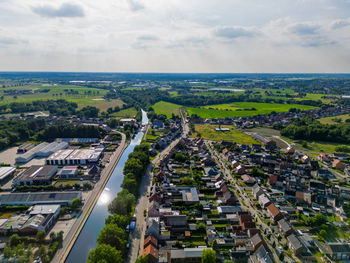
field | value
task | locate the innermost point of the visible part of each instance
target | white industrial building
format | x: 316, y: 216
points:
x: 74, y: 157
x: 6, y: 171
x: 27, y: 156
x: 42, y: 150
x: 52, y: 148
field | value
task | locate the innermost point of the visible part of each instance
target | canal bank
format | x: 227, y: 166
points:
x: 86, y: 240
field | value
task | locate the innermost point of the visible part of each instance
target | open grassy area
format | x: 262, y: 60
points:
x: 312, y: 146
x: 330, y: 120
x: 81, y: 95
x: 242, y: 109
x: 166, y: 108
x: 127, y: 113
x: 103, y: 105
x: 208, y: 132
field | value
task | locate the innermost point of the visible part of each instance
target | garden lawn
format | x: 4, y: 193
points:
x: 208, y: 132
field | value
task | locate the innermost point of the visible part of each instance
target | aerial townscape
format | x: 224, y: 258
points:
x: 107, y: 167
x: 175, y: 131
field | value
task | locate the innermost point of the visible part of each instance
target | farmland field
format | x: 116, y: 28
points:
x: 330, y: 120
x: 127, y: 113
x: 80, y: 95
x: 208, y: 132
x: 103, y: 105
x: 242, y: 109
x: 166, y: 108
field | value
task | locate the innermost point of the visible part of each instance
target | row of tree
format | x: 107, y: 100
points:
x: 55, y: 107
x: 310, y: 129
x: 112, y: 239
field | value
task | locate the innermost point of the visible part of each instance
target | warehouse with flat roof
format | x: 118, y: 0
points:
x: 36, y: 175
x: 42, y: 150
x: 74, y: 157
x: 60, y: 198
x: 6, y: 171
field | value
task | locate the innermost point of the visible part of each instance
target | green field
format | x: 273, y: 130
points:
x: 166, y: 108
x: 242, y: 109
x: 83, y: 96
x: 313, y: 147
x: 127, y: 113
x: 208, y: 132
x: 330, y: 120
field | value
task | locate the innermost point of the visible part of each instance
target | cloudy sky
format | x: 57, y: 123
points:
x: 175, y: 35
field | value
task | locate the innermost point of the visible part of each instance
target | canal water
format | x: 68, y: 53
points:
x: 86, y: 240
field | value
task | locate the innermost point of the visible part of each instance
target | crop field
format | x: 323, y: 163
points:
x: 208, y: 132
x: 127, y: 113
x: 80, y: 95
x: 312, y: 96
x: 332, y: 120
x: 103, y: 105
x: 166, y: 108
x: 242, y: 109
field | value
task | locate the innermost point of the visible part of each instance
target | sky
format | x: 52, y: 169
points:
x: 231, y: 36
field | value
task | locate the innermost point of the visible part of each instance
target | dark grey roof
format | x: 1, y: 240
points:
x: 38, y: 198
x: 339, y: 247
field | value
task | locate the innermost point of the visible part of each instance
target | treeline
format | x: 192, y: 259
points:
x: 113, y: 238
x: 63, y: 129
x: 55, y: 107
x: 13, y: 131
x: 310, y: 129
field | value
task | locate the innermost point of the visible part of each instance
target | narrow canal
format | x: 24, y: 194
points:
x: 86, y: 240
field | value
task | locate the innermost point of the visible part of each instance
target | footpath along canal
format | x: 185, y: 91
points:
x: 86, y: 240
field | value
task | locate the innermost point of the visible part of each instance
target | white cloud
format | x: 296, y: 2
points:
x: 64, y: 10
x: 232, y: 32
x: 175, y: 35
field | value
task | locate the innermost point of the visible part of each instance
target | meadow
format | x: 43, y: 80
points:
x: 313, y: 147
x: 126, y: 113
x: 242, y: 109
x: 208, y: 132
x: 331, y: 120
x: 166, y: 108
x: 81, y: 95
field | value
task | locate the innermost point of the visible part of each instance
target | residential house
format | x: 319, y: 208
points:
x: 285, y: 227
x: 295, y: 245
x: 337, y: 164
x: 274, y: 212
x: 338, y: 251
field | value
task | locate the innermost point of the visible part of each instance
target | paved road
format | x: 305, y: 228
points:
x: 89, y: 204
x: 136, y: 238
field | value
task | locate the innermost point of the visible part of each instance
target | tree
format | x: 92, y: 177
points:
x: 214, y: 245
x: 130, y: 185
x: 133, y: 166
x: 114, y: 236
x: 105, y: 254
x: 123, y: 203
x: 142, y: 259
x: 208, y: 256
x: 120, y: 220
x: 76, y: 203
x: 201, y: 227
x: 40, y: 236
x: 323, y: 233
